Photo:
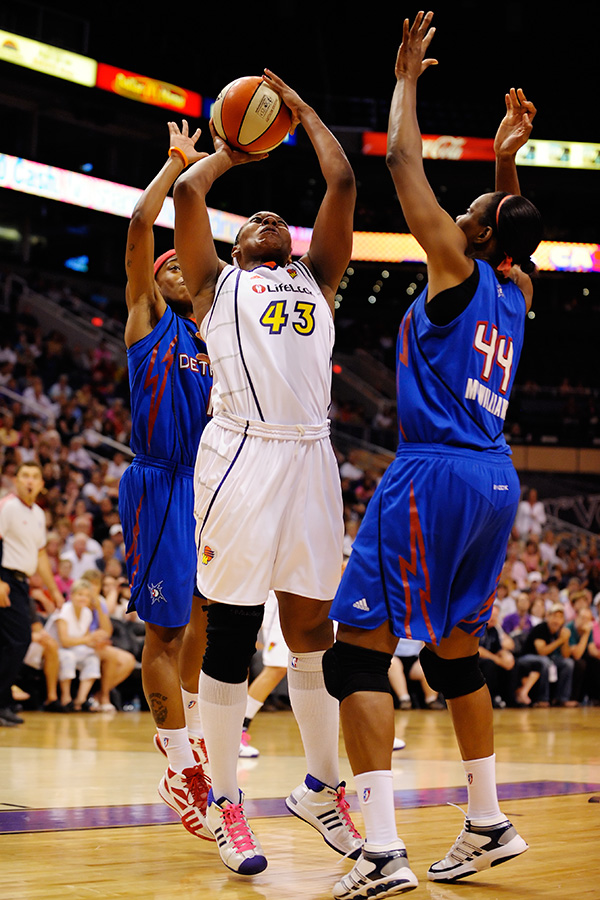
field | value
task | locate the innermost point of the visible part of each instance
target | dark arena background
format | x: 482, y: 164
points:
x: 85, y: 98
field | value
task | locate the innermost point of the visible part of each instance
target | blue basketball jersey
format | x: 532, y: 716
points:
x: 453, y: 381
x: 170, y: 384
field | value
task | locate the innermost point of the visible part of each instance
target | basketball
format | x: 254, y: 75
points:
x: 250, y: 116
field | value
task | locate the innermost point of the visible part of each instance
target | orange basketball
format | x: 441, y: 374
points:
x: 250, y: 116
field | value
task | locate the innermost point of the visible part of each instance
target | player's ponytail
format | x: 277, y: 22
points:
x: 518, y: 226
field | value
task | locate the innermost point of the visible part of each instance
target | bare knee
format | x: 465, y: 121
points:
x: 162, y: 642
x: 305, y: 623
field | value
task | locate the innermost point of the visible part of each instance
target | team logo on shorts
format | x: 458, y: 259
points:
x: 207, y: 555
x: 156, y: 594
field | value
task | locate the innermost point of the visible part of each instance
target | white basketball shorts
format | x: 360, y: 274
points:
x: 269, y: 514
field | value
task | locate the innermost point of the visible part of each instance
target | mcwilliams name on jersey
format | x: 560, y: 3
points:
x: 486, y: 398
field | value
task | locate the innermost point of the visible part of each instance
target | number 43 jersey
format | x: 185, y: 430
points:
x: 454, y: 381
x: 269, y: 335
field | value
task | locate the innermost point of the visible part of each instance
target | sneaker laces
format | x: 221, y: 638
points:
x: 343, y: 808
x: 198, y: 784
x: 245, y: 738
x: 237, y: 828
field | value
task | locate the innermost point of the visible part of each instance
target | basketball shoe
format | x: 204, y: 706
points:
x: 198, y: 749
x: 476, y: 848
x: 377, y: 874
x: 238, y: 846
x: 399, y: 744
x: 327, y: 810
x: 247, y: 751
x: 187, y: 793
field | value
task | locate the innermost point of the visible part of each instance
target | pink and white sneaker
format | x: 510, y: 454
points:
x: 247, y: 751
x: 187, y: 793
x: 237, y: 843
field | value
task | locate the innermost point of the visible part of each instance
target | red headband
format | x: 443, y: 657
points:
x: 161, y: 260
x: 499, y: 206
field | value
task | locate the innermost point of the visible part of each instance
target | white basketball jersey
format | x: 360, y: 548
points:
x: 269, y: 335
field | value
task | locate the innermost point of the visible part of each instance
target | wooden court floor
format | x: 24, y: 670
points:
x: 80, y: 817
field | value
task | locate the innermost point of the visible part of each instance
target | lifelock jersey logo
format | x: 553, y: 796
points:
x: 283, y: 287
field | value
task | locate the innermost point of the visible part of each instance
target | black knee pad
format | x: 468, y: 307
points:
x: 231, y: 635
x: 348, y: 669
x: 452, y: 677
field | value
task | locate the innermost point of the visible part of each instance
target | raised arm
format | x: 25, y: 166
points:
x: 331, y: 244
x: 145, y: 303
x: 513, y: 133
x: 194, y: 242
x: 441, y: 238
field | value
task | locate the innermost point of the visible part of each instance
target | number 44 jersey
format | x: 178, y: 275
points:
x: 270, y: 336
x: 454, y: 381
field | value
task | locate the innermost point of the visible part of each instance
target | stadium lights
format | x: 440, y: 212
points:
x: 115, y: 199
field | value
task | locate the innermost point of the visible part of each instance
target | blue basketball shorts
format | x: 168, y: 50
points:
x: 156, y: 507
x: 432, y: 544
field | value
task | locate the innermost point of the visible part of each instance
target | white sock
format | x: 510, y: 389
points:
x: 222, y: 708
x: 252, y: 707
x: 177, y: 745
x: 375, y: 791
x: 317, y: 714
x: 191, y: 708
x: 483, y: 808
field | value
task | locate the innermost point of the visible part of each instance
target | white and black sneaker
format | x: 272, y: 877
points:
x: 327, y: 810
x: 377, y: 874
x: 478, y: 847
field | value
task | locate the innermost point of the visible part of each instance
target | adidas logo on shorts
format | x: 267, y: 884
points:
x: 362, y: 604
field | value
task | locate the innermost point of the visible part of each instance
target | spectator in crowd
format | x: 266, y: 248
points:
x: 514, y: 568
x: 531, y: 515
x: 9, y: 436
x: 586, y: 656
x: 79, y: 644
x: 405, y: 668
x: 548, y: 548
x: 116, y: 663
x: 496, y: 659
x: 519, y: 622
x: 549, y: 642
x: 64, y: 576
x: 532, y: 557
x: 81, y: 558
x: 43, y: 655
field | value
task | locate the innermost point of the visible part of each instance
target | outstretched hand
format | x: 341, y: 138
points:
x: 292, y: 100
x: 416, y: 38
x: 181, y: 138
x: 515, y: 128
